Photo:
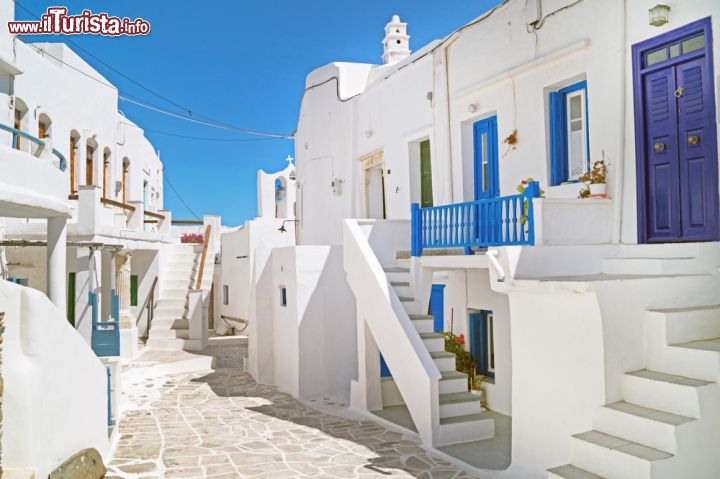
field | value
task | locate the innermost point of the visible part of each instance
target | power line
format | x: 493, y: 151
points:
x: 180, y: 197
x: 210, y: 122
x: 199, y: 138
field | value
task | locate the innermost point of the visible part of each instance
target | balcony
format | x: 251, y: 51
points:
x: 501, y: 221
x: 33, y: 182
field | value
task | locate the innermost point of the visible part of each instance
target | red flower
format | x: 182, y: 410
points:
x: 460, y: 340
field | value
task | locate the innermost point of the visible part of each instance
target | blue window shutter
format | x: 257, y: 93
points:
x: 558, y: 158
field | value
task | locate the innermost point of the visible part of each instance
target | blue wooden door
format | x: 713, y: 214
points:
x: 437, y: 307
x: 677, y: 144
x: 487, y: 184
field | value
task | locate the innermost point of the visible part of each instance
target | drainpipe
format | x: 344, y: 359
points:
x: 446, y: 51
x: 622, y: 94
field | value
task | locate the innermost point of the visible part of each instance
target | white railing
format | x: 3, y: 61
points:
x: 379, y: 308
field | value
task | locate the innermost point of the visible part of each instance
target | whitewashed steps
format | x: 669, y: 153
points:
x: 470, y: 427
x: 459, y: 404
x: 424, y: 323
x: 653, y: 266
x: 443, y: 360
x: 433, y: 341
x: 612, y: 456
x: 569, y: 471
x: 666, y: 392
x: 690, y: 323
x: 650, y: 427
x: 165, y: 344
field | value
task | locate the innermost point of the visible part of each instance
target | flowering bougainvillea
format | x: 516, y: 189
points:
x: 191, y: 238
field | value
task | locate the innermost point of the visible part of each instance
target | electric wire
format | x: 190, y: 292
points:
x: 209, y: 122
x: 165, y: 175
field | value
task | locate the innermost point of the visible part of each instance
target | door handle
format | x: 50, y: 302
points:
x: 693, y: 140
x: 659, y: 147
x: 679, y: 92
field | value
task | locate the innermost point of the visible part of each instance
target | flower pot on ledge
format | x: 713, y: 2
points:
x: 598, y: 189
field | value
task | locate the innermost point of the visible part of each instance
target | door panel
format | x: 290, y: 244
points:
x: 697, y: 151
x: 426, y: 194
x: 662, y: 159
x: 487, y: 184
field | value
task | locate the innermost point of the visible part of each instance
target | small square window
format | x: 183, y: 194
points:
x: 283, y: 296
x: 226, y: 294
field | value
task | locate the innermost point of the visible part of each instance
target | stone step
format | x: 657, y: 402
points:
x: 666, y: 392
x: 166, y: 344
x: 612, y: 456
x: 170, y: 303
x: 397, y: 274
x: 690, y: 323
x: 424, y: 323
x: 459, y: 404
x: 467, y: 428
x: 175, y: 284
x: 159, y: 333
x: 443, y: 360
x: 174, y: 293
x: 406, y: 299
x: 433, y: 341
x: 664, y: 250
x: 165, y: 323
x: 653, y: 266
x: 453, y: 382
x: 170, y: 313
x: 651, y: 427
x: 569, y: 471
x: 402, y: 288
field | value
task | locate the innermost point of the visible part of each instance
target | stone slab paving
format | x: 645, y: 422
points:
x: 221, y: 424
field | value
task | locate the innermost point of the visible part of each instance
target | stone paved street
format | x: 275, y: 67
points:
x: 221, y: 424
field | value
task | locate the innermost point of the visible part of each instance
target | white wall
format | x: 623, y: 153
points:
x: 312, y: 339
x: 267, y: 203
x: 53, y: 383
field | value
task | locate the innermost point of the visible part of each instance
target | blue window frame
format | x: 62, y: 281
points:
x: 283, y: 296
x: 482, y: 341
x: 569, y: 134
x: 485, y: 150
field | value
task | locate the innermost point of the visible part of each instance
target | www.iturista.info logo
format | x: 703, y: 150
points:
x: 56, y: 21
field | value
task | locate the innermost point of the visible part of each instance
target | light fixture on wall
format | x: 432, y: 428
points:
x: 472, y: 107
x: 282, y: 228
x: 659, y: 15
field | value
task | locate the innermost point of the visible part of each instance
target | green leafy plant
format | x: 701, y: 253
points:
x: 464, y: 361
x: 526, y: 204
x: 596, y: 176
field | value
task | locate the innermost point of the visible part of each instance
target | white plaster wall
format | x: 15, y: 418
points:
x: 53, y: 383
x: 313, y: 347
x: 146, y: 265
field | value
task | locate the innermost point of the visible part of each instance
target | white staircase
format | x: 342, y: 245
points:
x: 170, y: 329
x: 668, y: 423
x: 461, y: 416
x: 424, y: 376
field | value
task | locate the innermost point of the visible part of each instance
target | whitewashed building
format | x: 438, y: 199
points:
x: 593, y: 321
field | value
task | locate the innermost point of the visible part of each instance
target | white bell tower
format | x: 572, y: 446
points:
x: 396, y: 45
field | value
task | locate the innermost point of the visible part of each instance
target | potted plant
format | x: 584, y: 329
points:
x: 464, y: 361
x: 595, y: 181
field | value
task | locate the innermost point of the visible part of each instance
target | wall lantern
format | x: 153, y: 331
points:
x: 659, y: 15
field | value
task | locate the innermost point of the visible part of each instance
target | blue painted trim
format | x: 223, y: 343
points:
x: 437, y: 307
x: 384, y: 369
x: 415, y: 229
x: 105, y: 336
x: 639, y: 71
x: 559, y: 173
x: 109, y: 398
x: 477, y: 330
x: 487, y: 126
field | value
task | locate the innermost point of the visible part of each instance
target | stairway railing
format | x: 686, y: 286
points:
x: 148, y: 304
x: 17, y: 134
x: 206, y: 242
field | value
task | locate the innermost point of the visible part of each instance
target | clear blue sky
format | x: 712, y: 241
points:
x: 243, y: 62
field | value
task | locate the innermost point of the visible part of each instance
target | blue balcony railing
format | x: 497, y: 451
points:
x: 17, y: 134
x: 502, y: 221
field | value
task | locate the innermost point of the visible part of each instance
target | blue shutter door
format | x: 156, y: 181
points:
x: 437, y: 307
x: 558, y: 154
x: 697, y: 152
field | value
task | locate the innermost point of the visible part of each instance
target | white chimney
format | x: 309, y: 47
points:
x: 396, y: 45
